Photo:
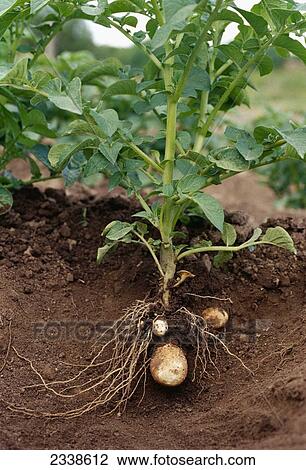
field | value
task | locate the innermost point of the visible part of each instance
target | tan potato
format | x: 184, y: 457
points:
x: 169, y: 365
x: 215, y: 317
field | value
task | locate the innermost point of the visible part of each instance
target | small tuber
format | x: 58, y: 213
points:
x: 160, y: 326
x: 215, y: 317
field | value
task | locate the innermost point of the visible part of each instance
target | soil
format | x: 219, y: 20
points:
x: 54, y: 300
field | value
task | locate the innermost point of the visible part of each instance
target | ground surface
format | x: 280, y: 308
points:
x: 55, y: 298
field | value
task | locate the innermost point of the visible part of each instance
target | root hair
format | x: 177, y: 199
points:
x: 121, y: 375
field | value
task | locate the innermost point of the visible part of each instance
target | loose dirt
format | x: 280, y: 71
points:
x: 56, y: 300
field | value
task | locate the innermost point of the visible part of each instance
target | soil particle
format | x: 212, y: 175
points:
x: 65, y: 231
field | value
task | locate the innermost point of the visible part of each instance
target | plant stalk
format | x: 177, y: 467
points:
x: 168, y: 265
x: 170, y: 141
x: 199, y: 140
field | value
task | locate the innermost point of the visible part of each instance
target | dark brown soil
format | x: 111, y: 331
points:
x: 54, y: 299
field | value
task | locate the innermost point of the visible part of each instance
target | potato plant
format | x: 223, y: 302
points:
x: 192, y: 78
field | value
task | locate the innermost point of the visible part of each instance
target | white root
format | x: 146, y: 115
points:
x: 119, y: 376
x: 120, y: 365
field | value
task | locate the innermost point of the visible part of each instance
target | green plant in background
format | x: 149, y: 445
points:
x: 288, y: 181
x: 286, y: 178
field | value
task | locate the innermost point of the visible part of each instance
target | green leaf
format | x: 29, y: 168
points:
x: 251, y: 44
x: 130, y: 21
x: 291, y: 153
x: 6, y: 5
x: 292, y: 45
x: 41, y: 151
x: 230, y: 16
x: 232, y: 52
x: 35, y: 121
x: 221, y: 258
x: 183, y: 167
x: 114, y: 180
x: 80, y: 127
x: 249, y: 148
x: 72, y: 172
x: 258, y: 23
x: 263, y: 133
x: 68, y: 100
x: 229, y: 234
x: 6, y: 22
x: 211, y: 208
x: 118, y: 230
x: 198, y: 80
x: 122, y: 87
x: 176, y: 22
x: 96, y: 164
x: 229, y: 159
x: 95, y: 10
x: 278, y: 236
x: 122, y: 6
x: 200, y: 160
x: 184, y: 138
x: 102, y: 252
x: 107, y: 120
x: 234, y: 134
x: 111, y: 152
x: 34, y: 168
x: 265, y: 66
x: 6, y: 200
x: 280, y: 16
x: 37, y: 5
x: 296, y: 138
x: 172, y: 6
x: 65, y: 8
x: 191, y: 183
x: 255, y: 236
x: 15, y: 73
x: 107, y: 67
x: 60, y: 154
x: 142, y: 228
x: 168, y: 190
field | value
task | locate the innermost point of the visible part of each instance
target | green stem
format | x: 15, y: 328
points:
x: 180, y: 211
x: 158, y: 13
x: 170, y: 141
x: 153, y: 180
x: 149, y: 54
x: 234, y: 173
x: 223, y: 67
x: 143, y: 203
x: 142, y: 154
x: 179, y: 146
x: 199, y: 139
x: 32, y: 181
x: 278, y: 143
x: 233, y: 249
x: 168, y: 264
x: 25, y: 88
x: 148, y: 246
x: 233, y: 85
x: 184, y: 77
